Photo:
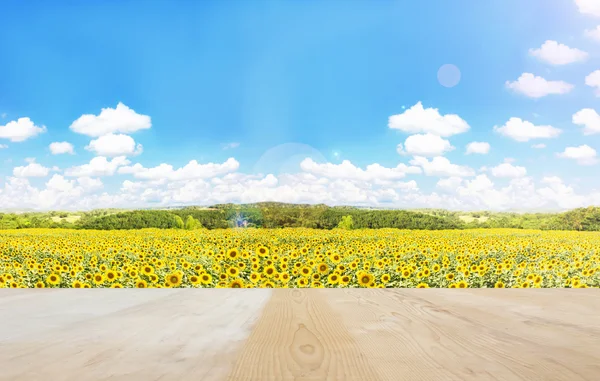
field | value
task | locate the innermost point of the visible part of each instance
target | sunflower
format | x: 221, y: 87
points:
x: 140, y: 283
x: 269, y: 271
x: 463, y: 284
x: 333, y: 279
x: 77, y: 284
x: 205, y: 279
x: 40, y: 284
x: 53, y: 279
x: 232, y: 254
x: 147, y: 269
x: 237, y: 283
x: 116, y: 285
x: 174, y: 279
x: 323, y: 268
x: 262, y: 252
x: 111, y: 276
x: 364, y: 279
x: 302, y: 282
x: 499, y: 284
x: 233, y: 271
x: 194, y: 280
x: 422, y: 285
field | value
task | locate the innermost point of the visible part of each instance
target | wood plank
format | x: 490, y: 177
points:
x: 473, y: 335
x: 182, y: 335
x: 299, y: 338
x: 301, y: 335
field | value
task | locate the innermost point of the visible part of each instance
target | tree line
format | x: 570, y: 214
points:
x: 277, y: 215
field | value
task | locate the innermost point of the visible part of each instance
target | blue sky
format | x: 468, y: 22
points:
x: 272, y: 83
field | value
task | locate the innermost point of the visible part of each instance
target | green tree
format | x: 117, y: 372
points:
x: 179, y: 222
x: 191, y: 223
x: 346, y: 223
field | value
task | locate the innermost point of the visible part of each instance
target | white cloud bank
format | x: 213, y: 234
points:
x: 555, y: 53
x: 524, y: 131
x: 59, y: 148
x: 20, y: 130
x: 534, y: 86
x: 418, y: 119
x: 333, y: 184
x: 481, y: 148
x: 121, y: 119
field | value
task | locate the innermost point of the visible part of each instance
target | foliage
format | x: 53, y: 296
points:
x: 279, y: 215
x: 346, y: 223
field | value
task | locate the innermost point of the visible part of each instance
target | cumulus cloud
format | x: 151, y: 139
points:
x: 192, y: 170
x: 593, y: 80
x: 32, y: 169
x: 347, y: 170
x: 121, y: 119
x: 427, y: 120
x: 441, y: 167
x: 449, y: 184
x: 20, y: 130
x: 508, y: 170
x: 98, y: 166
x: 583, y: 154
x: 589, y: 7
x: 534, y: 86
x: 425, y: 145
x: 555, y: 53
x: 113, y: 145
x: 478, y: 148
x: 59, y: 148
x: 524, y: 131
x: 589, y: 119
x: 324, y: 185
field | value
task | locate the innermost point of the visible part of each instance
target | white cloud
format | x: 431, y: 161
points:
x: 593, y: 80
x: 20, y: 130
x: 32, y: 169
x: 121, y: 119
x: 524, y: 131
x: 594, y: 34
x: 347, y: 170
x: 98, y: 166
x: 538, y: 146
x: 583, y: 155
x: 558, y: 54
x: 192, y: 170
x: 508, y: 170
x: 306, y: 187
x: 427, y: 120
x: 4, y: 115
x: 449, y: 183
x: 441, y: 167
x: 425, y: 145
x: 478, y: 147
x: 113, y: 145
x: 590, y: 7
x: 231, y: 145
x: 3, y: 146
x: 589, y: 119
x: 59, y: 148
x: 536, y: 87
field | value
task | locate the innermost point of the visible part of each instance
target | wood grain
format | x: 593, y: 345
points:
x: 300, y: 335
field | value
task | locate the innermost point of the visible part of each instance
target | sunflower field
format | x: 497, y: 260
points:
x: 287, y: 258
